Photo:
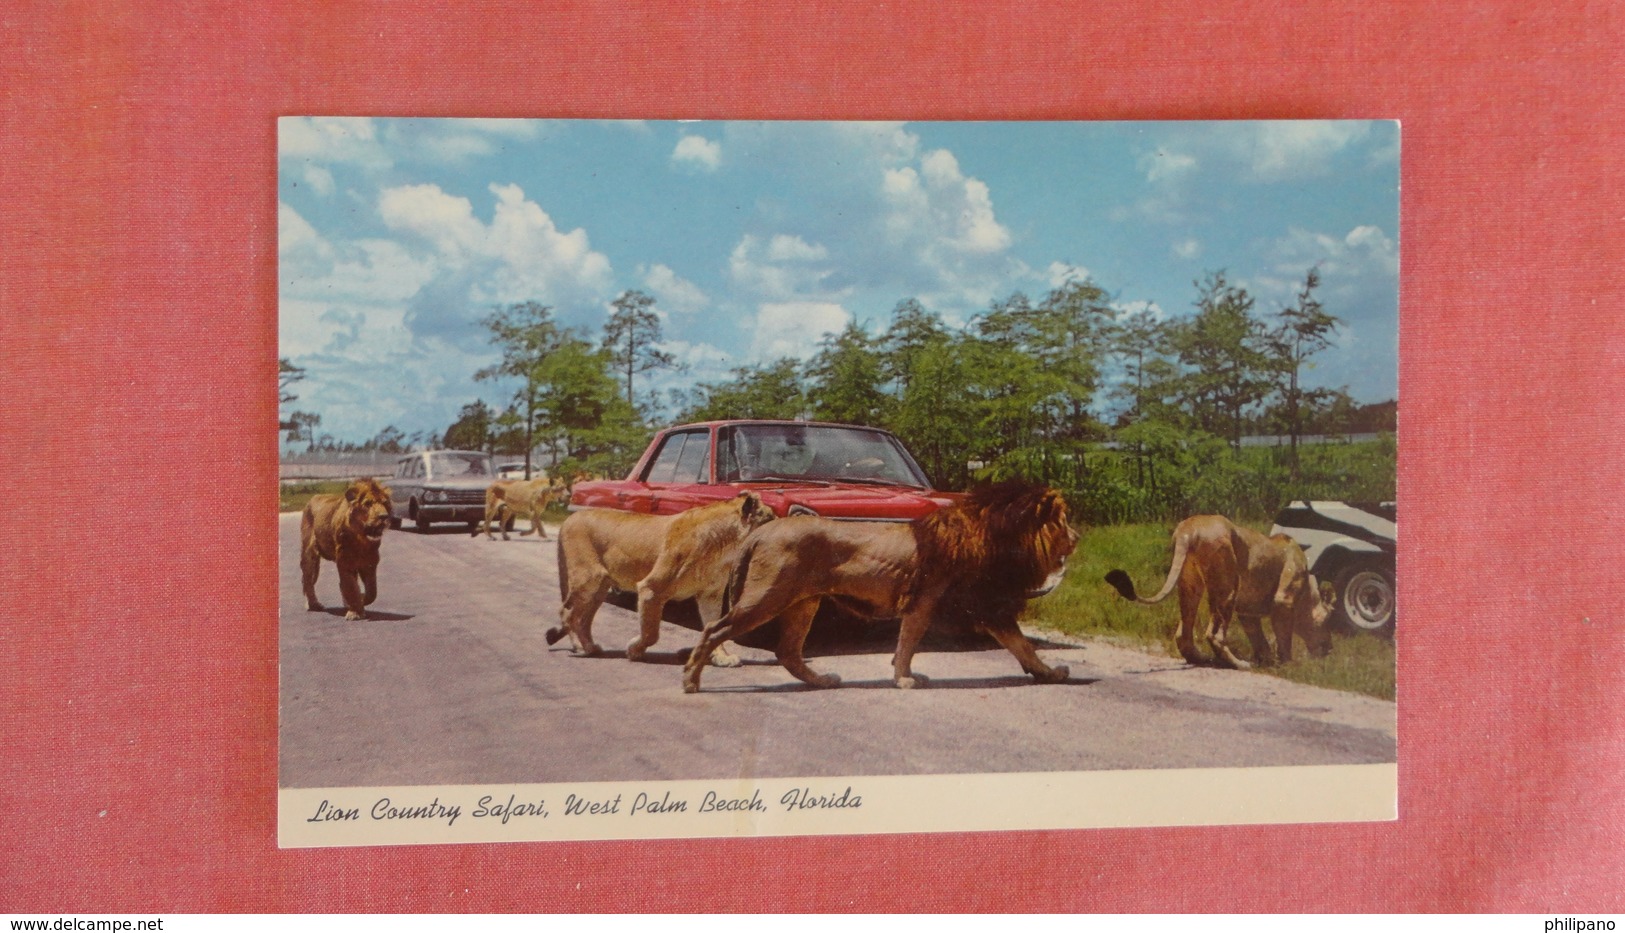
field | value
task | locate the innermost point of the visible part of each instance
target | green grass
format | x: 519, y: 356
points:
x: 1085, y: 605
x: 295, y: 495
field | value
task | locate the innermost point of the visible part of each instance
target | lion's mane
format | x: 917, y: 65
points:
x: 995, y: 546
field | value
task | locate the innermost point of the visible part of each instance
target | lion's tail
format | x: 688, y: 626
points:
x: 1125, y: 586
x: 559, y: 631
x: 564, y: 574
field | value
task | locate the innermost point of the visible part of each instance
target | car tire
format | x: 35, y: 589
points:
x: 1366, y: 598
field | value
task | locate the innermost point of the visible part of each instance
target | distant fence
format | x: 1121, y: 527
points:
x: 331, y: 465
x: 1285, y: 440
x: 1280, y: 440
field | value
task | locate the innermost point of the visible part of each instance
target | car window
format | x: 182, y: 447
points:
x: 451, y: 465
x: 691, y: 466
x: 825, y: 453
x: 666, y: 465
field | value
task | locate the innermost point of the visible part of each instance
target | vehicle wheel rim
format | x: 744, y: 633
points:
x: 1368, y: 600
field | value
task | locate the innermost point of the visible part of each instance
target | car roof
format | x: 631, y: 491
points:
x: 776, y: 421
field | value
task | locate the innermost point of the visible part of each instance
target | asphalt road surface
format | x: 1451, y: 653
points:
x: 450, y: 681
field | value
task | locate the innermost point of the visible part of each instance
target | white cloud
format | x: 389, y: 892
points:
x: 1290, y: 149
x: 520, y: 255
x: 1359, y: 284
x: 1060, y: 273
x: 444, y: 220
x: 794, y: 328
x: 1264, y: 150
x: 886, y: 217
x: 456, y: 142
x: 878, y: 141
x: 784, y: 268
x: 698, y: 152
x: 319, y: 179
x: 786, y: 248
x: 959, y: 208
x: 1365, y: 253
x: 1372, y: 242
x: 1163, y: 165
x: 671, y: 291
x: 347, y: 140
x: 512, y: 129
x: 1188, y: 248
x: 294, y: 234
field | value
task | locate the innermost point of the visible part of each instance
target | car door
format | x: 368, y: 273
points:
x: 678, y: 476
x: 404, y: 487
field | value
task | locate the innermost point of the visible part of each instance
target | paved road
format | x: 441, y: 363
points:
x: 452, y: 682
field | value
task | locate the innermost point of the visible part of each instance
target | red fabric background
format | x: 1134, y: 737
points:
x: 138, y: 290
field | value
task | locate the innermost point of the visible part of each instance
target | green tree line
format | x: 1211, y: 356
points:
x: 1023, y: 390
x: 1134, y: 415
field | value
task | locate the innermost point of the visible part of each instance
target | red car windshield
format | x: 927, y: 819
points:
x: 813, y: 453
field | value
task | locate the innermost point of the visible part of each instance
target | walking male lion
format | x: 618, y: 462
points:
x: 347, y: 530
x: 1245, y: 574
x: 973, y: 564
x: 661, y: 557
x: 506, y: 500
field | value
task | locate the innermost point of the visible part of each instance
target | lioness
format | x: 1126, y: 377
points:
x: 346, y: 530
x: 506, y: 500
x: 1246, y: 574
x: 973, y: 563
x: 662, y: 557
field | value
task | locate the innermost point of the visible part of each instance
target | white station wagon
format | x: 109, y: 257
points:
x: 440, y: 486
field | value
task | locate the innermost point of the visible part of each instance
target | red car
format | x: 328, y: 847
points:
x: 839, y: 471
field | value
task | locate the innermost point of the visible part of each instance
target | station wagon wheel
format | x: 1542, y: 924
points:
x: 1365, y: 598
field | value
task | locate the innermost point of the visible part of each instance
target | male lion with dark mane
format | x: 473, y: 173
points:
x: 346, y: 530
x: 661, y: 557
x: 1246, y: 574
x: 972, y: 564
x: 508, y: 499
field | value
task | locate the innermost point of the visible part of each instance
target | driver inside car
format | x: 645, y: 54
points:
x: 790, y: 457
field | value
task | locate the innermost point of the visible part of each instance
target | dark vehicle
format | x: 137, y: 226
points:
x: 440, y: 486
x: 1352, y: 545
x: 838, y: 471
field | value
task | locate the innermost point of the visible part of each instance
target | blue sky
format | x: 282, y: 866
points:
x: 396, y: 236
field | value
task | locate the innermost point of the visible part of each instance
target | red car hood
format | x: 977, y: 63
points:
x: 874, y: 503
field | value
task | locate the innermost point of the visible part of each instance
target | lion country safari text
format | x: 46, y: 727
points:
x: 506, y: 807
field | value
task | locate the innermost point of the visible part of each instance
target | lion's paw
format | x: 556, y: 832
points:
x: 554, y: 634
x: 721, y: 658
x: 1057, y: 674
x: 635, y: 649
x: 353, y: 616
x: 912, y: 681
x: 313, y: 606
x: 825, y: 681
